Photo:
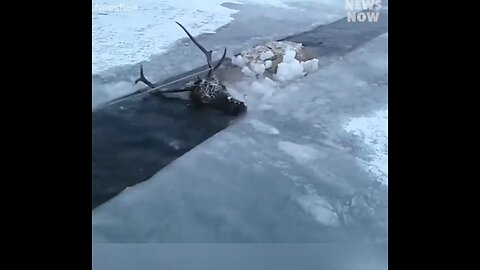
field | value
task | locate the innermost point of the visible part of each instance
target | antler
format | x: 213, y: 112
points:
x: 208, y: 54
x: 210, y: 72
x: 143, y: 79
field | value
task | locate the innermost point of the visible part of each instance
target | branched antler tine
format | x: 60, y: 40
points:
x: 208, y: 54
x: 143, y: 79
x: 210, y: 72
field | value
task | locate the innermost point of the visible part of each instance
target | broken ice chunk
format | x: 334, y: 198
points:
x: 310, y: 65
x: 266, y: 55
x: 238, y: 61
x: 268, y: 64
x: 289, y: 70
x: 247, y: 71
x: 289, y: 56
x: 258, y: 68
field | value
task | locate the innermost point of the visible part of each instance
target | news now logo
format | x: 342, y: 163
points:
x: 363, y: 10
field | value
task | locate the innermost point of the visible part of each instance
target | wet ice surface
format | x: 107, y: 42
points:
x: 129, y: 38
x: 288, y: 172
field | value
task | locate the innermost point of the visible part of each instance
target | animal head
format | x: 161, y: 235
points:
x: 208, y: 90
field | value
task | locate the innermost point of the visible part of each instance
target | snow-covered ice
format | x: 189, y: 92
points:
x: 373, y: 132
x: 130, y: 31
x: 146, y: 27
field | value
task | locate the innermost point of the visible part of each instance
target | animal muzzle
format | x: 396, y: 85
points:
x: 234, y: 107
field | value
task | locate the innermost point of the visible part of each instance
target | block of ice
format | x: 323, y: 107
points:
x: 292, y: 69
x: 310, y: 65
x: 238, y: 61
x: 266, y: 55
x: 268, y: 64
x: 289, y: 56
x: 258, y: 68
